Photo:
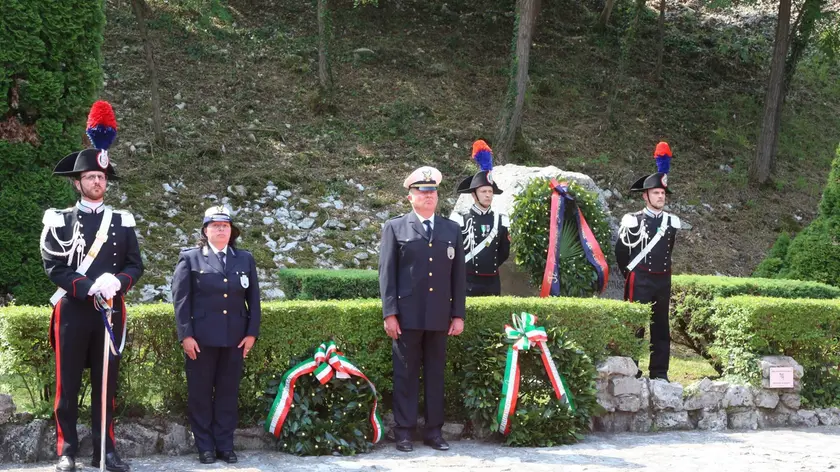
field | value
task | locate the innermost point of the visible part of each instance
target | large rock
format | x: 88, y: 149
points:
x: 671, y: 420
x: 617, y: 422
x: 615, y: 365
x: 631, y: 403
x: 776, y: 418
x: 666, y: 396
x: 136, y: 440
x: 22, y: 443
x: 253, y: 439
x: 743, y: 418
x: 626, y: 386
x: 641, y: 422
x: 804, y: 418
x: 512, y: 179
x: 7, y: 408
x: 704, y: 394
x: 828, y: 416
x: 738, y: 396
x: 791, y: 400
x: 452, y: 431
x: 766, y: 398
x: 712, y: 420
x: 766, y: 362
x: 177, y: 440
x: 644, y: 396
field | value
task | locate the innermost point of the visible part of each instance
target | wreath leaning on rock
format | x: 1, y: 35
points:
x: 323, y: 404
x: 541, y: 416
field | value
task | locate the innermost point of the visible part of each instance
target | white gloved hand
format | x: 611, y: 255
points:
x: 109, y: 285
x: 94, y: 289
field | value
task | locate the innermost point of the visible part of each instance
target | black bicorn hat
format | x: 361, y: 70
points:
x: 483, y: 156
x: 102, y: 130
x: 663, y: 156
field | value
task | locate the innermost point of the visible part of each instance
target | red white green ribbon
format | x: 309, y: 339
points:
x: 521, y: 336
x: 326, y: 362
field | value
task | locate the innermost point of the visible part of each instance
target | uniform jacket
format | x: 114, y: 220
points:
x: 216, y: 307
x: 475, y: 227
x: 658, y: 260
x: 120, y: 254
x: 422, y: 281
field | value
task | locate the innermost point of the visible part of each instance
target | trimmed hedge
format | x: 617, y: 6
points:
x: 152, y: 371
x: 692, y: 307
x: 329, y: 284
x: 807, y: 330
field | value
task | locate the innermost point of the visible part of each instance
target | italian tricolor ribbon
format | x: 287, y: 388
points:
x: 521, y: 336
x: 560, y: 197
x: 326, y: 362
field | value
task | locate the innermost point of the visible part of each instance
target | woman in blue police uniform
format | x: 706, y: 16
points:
x: 217, y: 311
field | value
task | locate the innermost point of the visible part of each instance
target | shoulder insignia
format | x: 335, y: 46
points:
x: 457, y: 218
x: 53, y: 218
x: 629, y: 220
x: 127, y: 218
x: 675, y: 221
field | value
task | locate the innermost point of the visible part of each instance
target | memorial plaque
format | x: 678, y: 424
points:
x: 781, y: 377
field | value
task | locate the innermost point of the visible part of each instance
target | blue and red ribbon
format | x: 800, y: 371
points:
x: 560, y: 196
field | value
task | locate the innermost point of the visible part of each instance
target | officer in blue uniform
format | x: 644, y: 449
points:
x: 421, y: 283
x: 643, y: 252
x: 84, y: 267
x: 217, y: 310
x: 485, y: 232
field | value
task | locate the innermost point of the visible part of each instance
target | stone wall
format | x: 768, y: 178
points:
x: 643, y: 405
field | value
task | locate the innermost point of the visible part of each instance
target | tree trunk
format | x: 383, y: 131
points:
x: 324, y: 30
x: 604, y: 19
x: 511, y: 114
x: 140, y: 9
x: 661, y: 47
x: 768, y: 140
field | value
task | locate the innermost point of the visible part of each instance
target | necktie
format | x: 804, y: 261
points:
x: 221, y: 257
x: 428, y: 225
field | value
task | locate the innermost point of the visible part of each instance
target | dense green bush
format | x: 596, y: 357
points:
x: 152, y: 371
x: 540, y: 418
x: 692, y: 307
x: 807, y: 330
x: 773, y: 265
x: 529, y: 230
x: 329, y: 284
x: 50, y: 72
x: 814, y: 254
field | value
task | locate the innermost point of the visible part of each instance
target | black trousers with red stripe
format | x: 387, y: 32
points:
x: 77, y: 336
x: 645, y: 287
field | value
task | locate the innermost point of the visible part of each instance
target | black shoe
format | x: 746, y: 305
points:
x: 661, y: 377
x: 227, y: 456
x: 65, y: 463
x: 206, y: 457
x: 437, y: 442
x: 404, y: 445
x: 112, y: 463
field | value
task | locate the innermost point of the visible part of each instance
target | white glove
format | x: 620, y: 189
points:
x: 94, y: 289
x: 108, y: 285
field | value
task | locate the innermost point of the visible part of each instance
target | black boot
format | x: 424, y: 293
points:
x: 112, y: 463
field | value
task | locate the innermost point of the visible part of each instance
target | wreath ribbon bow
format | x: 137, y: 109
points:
x: 523, y: 334
x: 327, y: 362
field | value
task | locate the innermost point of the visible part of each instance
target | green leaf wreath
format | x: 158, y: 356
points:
x: 540, y: 419
x: 530, y: 229
x: 330, y: 419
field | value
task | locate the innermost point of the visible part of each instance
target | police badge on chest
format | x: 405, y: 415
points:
x: 244, y: 281
x: 450, y: 252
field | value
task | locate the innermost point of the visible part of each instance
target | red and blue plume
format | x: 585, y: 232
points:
x: 101, y: 125
x: 483, y: 155
x: 663, y: 157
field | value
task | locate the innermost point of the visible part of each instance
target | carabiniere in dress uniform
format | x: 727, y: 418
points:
x: 485, y: 232
x: 643, y: 252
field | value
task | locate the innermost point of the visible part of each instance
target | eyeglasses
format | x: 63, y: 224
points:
x: 93, y: 178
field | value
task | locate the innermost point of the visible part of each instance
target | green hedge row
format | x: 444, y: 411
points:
x: 807, y: 330
x: 692, y: 305
x: 152, y: 370
x: 329, y: 284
